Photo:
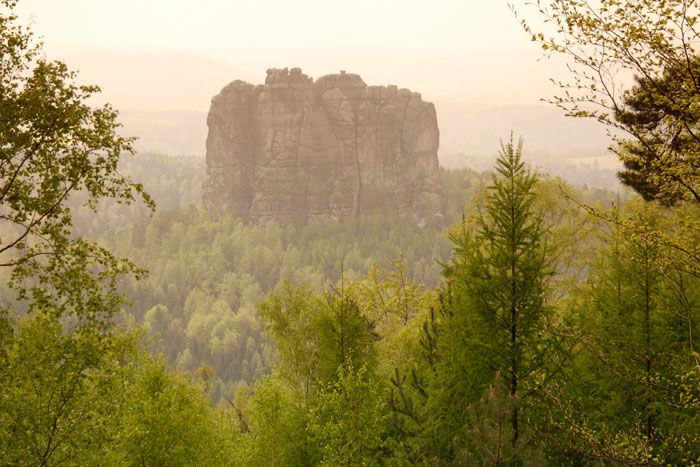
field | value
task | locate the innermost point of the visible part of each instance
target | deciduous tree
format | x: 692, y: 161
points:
x: 612, y: 44
x: 53, y: 144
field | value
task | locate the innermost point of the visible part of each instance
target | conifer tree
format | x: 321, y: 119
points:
x: 498, y: 280
x: 632, y: 321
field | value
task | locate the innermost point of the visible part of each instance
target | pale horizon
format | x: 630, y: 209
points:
x: 175, y: 56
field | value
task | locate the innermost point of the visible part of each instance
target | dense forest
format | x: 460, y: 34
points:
x: 207, y: 276
x: 538, y: 323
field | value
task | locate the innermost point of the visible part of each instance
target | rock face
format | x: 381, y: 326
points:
x: 294, y: 150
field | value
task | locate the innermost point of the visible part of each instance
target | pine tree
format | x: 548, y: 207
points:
x: 498, y: 280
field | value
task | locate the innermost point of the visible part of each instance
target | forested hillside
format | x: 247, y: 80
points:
x: 206, y: 276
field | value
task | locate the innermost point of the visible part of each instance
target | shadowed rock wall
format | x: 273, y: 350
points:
x: 295, y: 150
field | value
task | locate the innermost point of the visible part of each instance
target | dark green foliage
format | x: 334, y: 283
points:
x: 499, y: 277
x: 638, y: 312
x: 662, y: 160
x: 346, y: 336
x: 633, y: 325
x: 498, y: 280
x: 489, y: 433
x: 492, y: 319
x: 654, y: 122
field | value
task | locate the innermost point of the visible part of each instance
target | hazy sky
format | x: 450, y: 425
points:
x: 211, y: 24
x: 455, y: 52
x: 470, y: 50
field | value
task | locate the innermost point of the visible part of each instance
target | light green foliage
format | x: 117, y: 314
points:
x: 291, y: 319
x: 392, y: 293
x: 75, y: 387
x: 58, y: 390
x: 316, y: 335
x: 165, y: 421
x: 277, y: 435
x: 326, y: 400
x: 54, y: 145
x: 397, y: 307
x: 350, y: 423
x: 571, y: 236
x: 610, y: 41
x: 95, y: 398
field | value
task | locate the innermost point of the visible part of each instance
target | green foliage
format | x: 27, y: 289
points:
x: 346, y: 336
x: 499, y: 285
x: 54, y: 401
x: 631, y: 324
x: 165, y: 421
x: 54, y: 145
x: 277, y: 429
x: 638, y: 318
x: 171, y: 182
x: 325, y: 402
x: 292, y: 319
x: 396, y: 307
x: 489, y: 433
x: 76, y: 388
x: 350, y: 422
x: 85, y: 397
x: 662, y: 163
x: 373, y: 360
x: 607, y: 42
x: 316, y: 335
x: 210, y: 275
x: 495, y: 316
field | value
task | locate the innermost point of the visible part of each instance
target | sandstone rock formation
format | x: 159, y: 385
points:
x: 295, y: 150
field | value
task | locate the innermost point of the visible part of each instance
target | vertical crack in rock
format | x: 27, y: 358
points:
x: 294, y: 150
x: 358, y: 171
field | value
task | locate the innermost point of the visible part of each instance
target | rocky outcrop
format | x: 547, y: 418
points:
x: 294, y: 150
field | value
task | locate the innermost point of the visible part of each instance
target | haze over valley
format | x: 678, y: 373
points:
x: 163, y: 97
x: 349, y: 233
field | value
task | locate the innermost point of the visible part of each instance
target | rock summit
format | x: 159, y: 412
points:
x: 294, y: 150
